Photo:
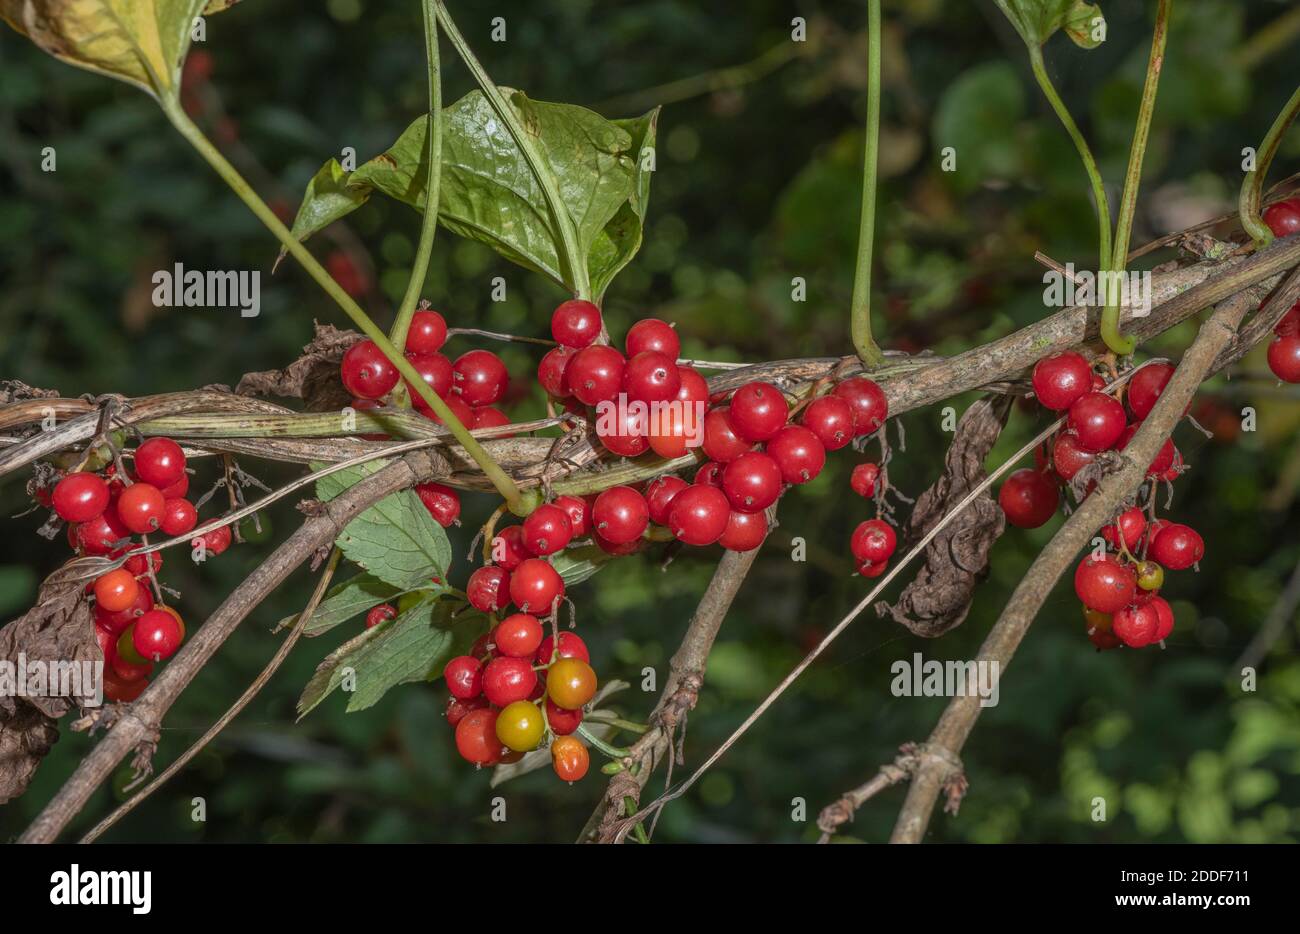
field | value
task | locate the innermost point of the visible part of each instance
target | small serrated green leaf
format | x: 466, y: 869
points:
x: 343, y: 601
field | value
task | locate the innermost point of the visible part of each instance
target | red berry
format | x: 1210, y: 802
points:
x: 575, y: 323
x: 435, y: 370
x: 506, y: 680
x: 1289, y: 324
x: 1177, y: 546
x: 102, y: 534
x: 125, y: 669
x: 562, y: 722
x: 141, y: 507
x: 161, y: 461
x: 874, y: 541
x: 380, y: 614
x: 80, y: 497
x: 798, y: 453
x: 1146, y: 386
x: 721, y: 443
x: 1164, y: 458
x: 508, y: 549
x: 651, y: 377
x: 694, y: 387
x: 1131, y: 523
x: 457, y: 708
x: 698, y: 514
x: 551, y: 371
x: 1283, y: 218
x: 216, y: 541
x: 864, y: 479
x: 442, y: 502
x: 620, y: 515
x: 1028, y: 498
x: 621, y: 431
x: 106, y: 639
x: 752, y: 482
x: 579, y: 514
x: 830, y: 418
x: 156, y: 635
x: 476, y: 737
x: 595, y: 374
x: 459, y: 409
x: 1062, y: 380
x: 118, y: 621
x: 659, y: 496
x: 758, y: 410
x: 485, y: 416
x: 547, y: 530
x: 139, y: 564
x: 745, y: 531
x: 571, y: 646
x: 179, y: 516
x: 668, y: 436
x: 570, y: 759
x: 1166, y: 615
x: 488, y: 589
x: 1284, y: 358
x: 366, y: 373
x: 871, y: 569
x: 480, y: 377
x: 1097, y: 420
x: 427, y: 334
x: 1136, y: 626
x: 651, y: 334
x: 121, y: 691
x: 535, y: 586
x: 518, y: 635
x: 868, y: 402
x: 1069, y: 456
x: 464, y: 677
x: 710, y: 474
x: 1105, y: 585
x: 116, y: 591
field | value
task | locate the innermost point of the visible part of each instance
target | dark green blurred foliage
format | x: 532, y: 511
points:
x: 757, y: 182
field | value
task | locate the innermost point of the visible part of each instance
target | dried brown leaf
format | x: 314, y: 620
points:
x: 313, y: 377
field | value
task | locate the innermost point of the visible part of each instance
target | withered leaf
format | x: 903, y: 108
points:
x: 939, y: 597
x: 313, y: 377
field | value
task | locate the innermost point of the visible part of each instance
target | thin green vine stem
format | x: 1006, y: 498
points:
x: 230, y: 175
x: 433, y: 138
x: 1085, y: 154
x: 860, y: 312
x: 570, y: 255
x: 1253, y: 184
x: 1110, y: 332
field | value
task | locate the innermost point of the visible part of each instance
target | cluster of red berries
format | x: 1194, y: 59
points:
x: 1283, y: 218
x: 1119, y: 591
x: 104, y: 511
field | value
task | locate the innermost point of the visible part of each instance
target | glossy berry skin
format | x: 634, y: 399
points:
x: 126, y: 653
x: 798, y: 452
x: 1146, y: 386
x: 651, y: 334
x: 1132, y: 523
x: 488, y: 589
x: 80, y: 497
x: 547, y: 530
x: 595, y: 374
x: 1136, y: 626
x: 571, y: 646
x: 156, y: 635
x: 570, y: 759
x: 659, y: 496
x: 1164, y: 458
x: 427, y: 334
x: 116, y: 591
x: 1283, y: 218
x: 575, y: 323
x: 1106, y: 585
x: 620, y: 514
x: 745, y: 531
x: 1284, y: 358
x: 830, y: 418
x: 570, y: 683
x: 535, y: 586
x: 551, y: 371
x: 873, y: 540
x: 457, y: 708
x: 668, y: 436
x: 752, y: 482
x: 872, y: 569
x: 1289, y: 324
x: 621, y: 431
x: 518, y: 635
x: 459, y: 409
x: 562, y: 722
x: 709, y: 474
x: 480, y: 377
x: 179, y: 516
x: 485, y: 416
x: 1097, y: 420
x: 97, y: 536
x: 698, y: 514
x: 1069, y: 456
x: 1177, y: 547
x: 758, y: 411
x: 106, y: 639
x: 721, y: 442
x: 476, y: 737
x: 216, y: 541
x: 577, y: 512
x: 520, y: 726
x: 868, y: 402
x: 651, y: 377
x: 1028, y: 498
x: 118, y: 621
x: 161, y: 461
x: 1165, y: 614
x: 366, y: 372
x: 865, y: 479
x: 442, y: 502
x: 1061, y: 380
x: 1150, y: 576
x: 380, y: 614
x: 694, y: 387
x: 139, y: 564
x: 141, y: 507
x: 508, y: 549
x: 435, y: 370
x: 464, y: 677
x: 506, y: 680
